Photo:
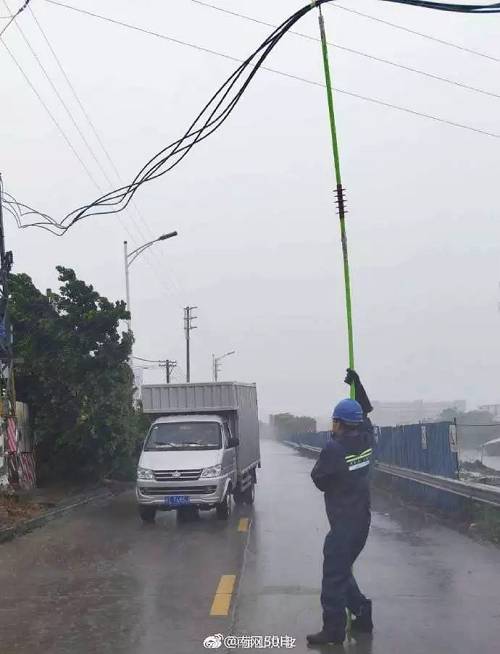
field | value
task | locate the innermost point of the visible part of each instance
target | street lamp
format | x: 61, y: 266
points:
x: 130, y: 257
x: 216, y: 364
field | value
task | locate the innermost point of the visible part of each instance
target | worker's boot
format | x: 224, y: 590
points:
x: 324, y: 637
x: 362, y: 622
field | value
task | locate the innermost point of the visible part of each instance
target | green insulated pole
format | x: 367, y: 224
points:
x: 339, y: 190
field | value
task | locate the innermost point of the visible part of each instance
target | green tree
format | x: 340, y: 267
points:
x: 75, y: 377
x: 450, y: 414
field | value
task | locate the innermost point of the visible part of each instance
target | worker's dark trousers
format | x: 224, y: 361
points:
x: 343, y: 545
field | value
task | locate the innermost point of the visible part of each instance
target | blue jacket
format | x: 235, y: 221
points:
x: 342, y: 472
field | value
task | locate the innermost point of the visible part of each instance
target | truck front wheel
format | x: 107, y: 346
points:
x: 249, y: 494
x: 147, y: 513
x: 223, y: 509
x: 238, y: 496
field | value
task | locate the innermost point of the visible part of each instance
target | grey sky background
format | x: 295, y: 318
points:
x: 259, y: 249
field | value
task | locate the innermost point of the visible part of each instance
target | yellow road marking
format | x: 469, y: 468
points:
x: 220, y: 605
x: 226, y: 585
x: 243, y: 525
x: 223, y: 595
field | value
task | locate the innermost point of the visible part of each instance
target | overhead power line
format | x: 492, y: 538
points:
x: 298, y: 78
x: 149, y: 360
x: 152, y: 256
x: 67, y: 110
x: 51, y: 115
x: 86, y: 114
x: 19, y: 215
x: 225, y: 100
x: 360, y: 53
x: 436, y: 39
x: 12, y: 17
x: 74, y: 93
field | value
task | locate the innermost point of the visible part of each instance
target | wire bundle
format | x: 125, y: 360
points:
x: 444, y: 6
x: 211, y: 118
x: 213, y: 115
x: 20, y: 211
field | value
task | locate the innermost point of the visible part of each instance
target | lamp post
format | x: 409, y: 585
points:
x: 130, y: 257
x: 216, y: 364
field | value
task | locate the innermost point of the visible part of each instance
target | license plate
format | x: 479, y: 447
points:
x: 177, y: 500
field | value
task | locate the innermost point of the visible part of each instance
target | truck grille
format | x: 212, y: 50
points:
x: 174, y: 475
x: 179, y: 490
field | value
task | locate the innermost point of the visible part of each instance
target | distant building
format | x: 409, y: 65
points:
x: 407, y: 413
x: 494, y: 409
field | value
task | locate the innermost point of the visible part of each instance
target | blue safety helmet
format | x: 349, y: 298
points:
x: 348, y: 411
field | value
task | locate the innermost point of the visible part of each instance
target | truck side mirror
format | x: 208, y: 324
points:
x: 233, y: 442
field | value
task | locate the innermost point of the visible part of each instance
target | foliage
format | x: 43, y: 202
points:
x: 487, y: 521
x: 75, y: 377
x: 285, y: 424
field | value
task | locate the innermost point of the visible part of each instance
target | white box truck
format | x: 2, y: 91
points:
x: 202, y: 449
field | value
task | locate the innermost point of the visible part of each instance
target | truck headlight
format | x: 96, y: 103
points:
x: 214, y: 471
x: 144, y: 473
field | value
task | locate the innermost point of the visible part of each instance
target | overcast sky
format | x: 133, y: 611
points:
x: 259, y: 249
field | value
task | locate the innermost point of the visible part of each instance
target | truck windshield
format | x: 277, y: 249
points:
x: 184, y: 436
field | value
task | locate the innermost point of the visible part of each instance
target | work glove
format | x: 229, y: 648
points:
x: 352, y: 377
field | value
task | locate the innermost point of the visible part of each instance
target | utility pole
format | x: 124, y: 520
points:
x: 6, y: 260
x: 188, y: 327
x: 169, y: 366
x: 7, y: 390
x: 127, y: 284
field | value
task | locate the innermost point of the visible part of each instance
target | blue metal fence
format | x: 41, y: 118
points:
x: 426, y: 447
x: 429, y: 447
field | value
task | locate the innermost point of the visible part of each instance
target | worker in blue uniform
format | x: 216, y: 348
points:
x: 342, y: 474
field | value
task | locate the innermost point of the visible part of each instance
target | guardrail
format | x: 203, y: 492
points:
x: 471, y: 490
x: 309, y: 448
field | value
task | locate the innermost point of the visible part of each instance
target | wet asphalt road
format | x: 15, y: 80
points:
x: 99, y: 581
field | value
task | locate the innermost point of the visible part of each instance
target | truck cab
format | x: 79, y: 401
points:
x: 187, y: 461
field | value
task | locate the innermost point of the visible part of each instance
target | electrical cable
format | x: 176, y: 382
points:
x: 493, y: 8
x: 61, y: 100
x: 13, y: 17
x: 360, y: 53
x: 449, y: 44
x: 151, y: 255
x: 193, y: 136
x: 29, y: 211
x: 148, y: 360
x: 74, y: 93
x: 51, y: 115
x: 289, y: 75
x: 20, y: 212
x: 220, y: 106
